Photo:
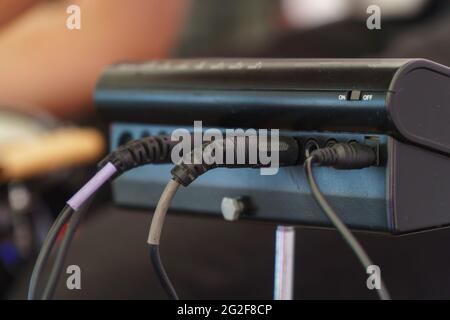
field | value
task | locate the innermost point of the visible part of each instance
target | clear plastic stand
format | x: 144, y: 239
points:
x: 284, y: 263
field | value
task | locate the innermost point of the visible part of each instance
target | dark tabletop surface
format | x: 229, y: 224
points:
x: 209, y: 258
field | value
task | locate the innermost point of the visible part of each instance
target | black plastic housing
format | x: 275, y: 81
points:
x: 406, y: 100
x: 405, y: 97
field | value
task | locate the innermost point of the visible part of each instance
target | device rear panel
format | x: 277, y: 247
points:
x: 358, y: 195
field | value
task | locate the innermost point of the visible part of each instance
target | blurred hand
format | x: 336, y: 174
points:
x: 43, y: 64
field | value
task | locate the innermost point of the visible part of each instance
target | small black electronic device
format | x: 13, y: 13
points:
x: 400, y: 106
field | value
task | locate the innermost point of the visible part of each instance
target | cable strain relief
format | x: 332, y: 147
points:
x: 325, y: 156
x: 148, y: 150
x: 185, y: 174
x: 346, y: 156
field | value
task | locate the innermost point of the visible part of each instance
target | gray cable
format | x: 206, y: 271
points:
x: 46, y: 248
x: 63, y: 249
x: 156, y: 226
x: 155, y: 235
x: 340, y: 226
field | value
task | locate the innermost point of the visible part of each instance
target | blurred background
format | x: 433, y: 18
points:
x: 47, y: 78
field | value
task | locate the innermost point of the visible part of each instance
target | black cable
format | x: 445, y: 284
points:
x: 77, y: 202
x: 161, y: 272
x: 287, y: 148
x: 185, y: 173
x: 134, y: 154
x: 58, y: 264
x: 46, y: 249
x: 356, y: 247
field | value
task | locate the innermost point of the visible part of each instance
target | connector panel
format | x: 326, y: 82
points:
x: 282, y: 198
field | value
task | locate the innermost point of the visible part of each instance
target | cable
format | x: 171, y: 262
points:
x: 155, y: 235
x: 76, y: 203
x: 61, y: 254
x: 156, y: 149
x: 46, y: 249
x: 72, y: 206
x: 355, y: 246
x: 287, y: 149
x: 185, y: 173
x: 339, y: 156
x: 161, y: 273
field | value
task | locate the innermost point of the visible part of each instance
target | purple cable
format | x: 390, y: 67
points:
x: 92, y: 186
